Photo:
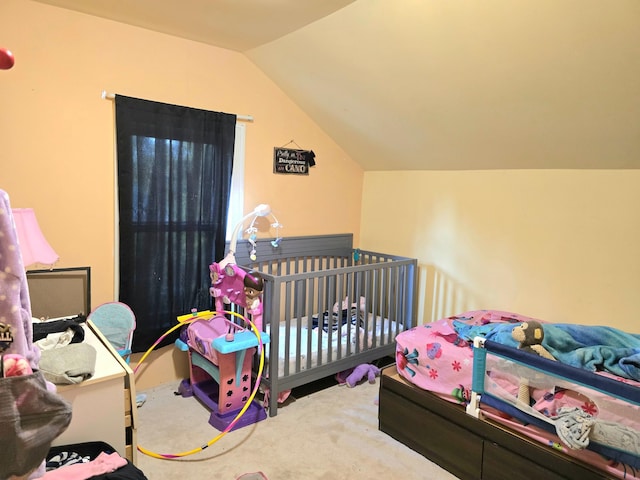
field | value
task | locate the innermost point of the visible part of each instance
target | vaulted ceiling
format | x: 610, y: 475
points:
x: 433, y: 84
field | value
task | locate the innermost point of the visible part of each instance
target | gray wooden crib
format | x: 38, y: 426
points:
x: 327, y: 306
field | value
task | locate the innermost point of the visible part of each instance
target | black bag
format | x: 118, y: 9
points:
x: 31, y: 417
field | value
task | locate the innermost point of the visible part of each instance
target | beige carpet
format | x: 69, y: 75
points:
x: 328, y: 434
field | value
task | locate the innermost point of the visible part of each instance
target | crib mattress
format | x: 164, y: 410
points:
x: 303, y: 344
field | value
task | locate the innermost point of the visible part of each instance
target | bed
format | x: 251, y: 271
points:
x: 514, y: 414
x: 325, y: 306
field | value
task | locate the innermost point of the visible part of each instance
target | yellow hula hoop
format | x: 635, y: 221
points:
x: 172, y: 456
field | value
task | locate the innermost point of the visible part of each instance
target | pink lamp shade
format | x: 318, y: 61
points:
x: 33, y: 246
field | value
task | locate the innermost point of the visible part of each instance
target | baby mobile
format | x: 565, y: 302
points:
x: 252, y: 233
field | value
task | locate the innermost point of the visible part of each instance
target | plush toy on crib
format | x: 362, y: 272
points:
x: 364, y: 370
x: 253, y: 286
x: 529, y: 335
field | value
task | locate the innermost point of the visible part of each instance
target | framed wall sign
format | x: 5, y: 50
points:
x: 292, y: 161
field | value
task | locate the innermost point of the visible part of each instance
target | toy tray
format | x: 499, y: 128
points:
x: 202, y: 333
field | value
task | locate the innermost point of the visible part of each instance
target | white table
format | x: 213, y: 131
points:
x: 104, y: 406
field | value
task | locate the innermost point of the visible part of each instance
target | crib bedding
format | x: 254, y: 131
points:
x: 439, y: 357
x: 305, y: 344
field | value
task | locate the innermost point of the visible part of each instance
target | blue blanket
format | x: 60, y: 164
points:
x: 594, y: 348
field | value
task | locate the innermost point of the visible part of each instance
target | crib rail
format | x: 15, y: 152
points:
x: 327, y: 311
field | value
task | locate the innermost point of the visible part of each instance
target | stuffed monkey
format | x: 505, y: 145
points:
x: 530, y: 335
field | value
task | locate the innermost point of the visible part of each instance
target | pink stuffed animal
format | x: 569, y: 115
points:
x: 360, y: 372
x: 15, y: 365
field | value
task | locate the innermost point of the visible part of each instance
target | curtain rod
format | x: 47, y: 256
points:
x: 243, y: 118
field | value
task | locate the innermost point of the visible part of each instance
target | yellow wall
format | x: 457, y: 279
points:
x: 558, y: 245
x: 57, y: 133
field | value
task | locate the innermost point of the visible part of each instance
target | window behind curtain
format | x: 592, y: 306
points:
x: 236, y: 197
x: 174, y: 179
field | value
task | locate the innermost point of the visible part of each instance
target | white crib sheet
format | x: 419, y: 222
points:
x: 321, y: 342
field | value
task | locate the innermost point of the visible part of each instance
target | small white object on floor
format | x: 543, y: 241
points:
x: 140, y: 399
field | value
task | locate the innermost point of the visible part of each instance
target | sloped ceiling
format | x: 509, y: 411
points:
x: 432, y: 84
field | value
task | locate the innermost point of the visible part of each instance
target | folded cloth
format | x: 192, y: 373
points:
x: 70, y: 364
x: 55, y: 340
x: 42, y: 329
x: 64, y: 459
x: 618, y: 436
x: 88, y: 452
x: 103, y: 463
x: 573, y: 426
x: 31, y: 417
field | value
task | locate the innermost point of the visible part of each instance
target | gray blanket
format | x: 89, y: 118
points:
x: 70, y: 364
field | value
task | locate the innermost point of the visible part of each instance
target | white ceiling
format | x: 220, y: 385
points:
x: 428, y: 84
x: 233, y: 24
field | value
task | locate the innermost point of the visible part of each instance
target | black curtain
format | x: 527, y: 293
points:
x: 174, y: 180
